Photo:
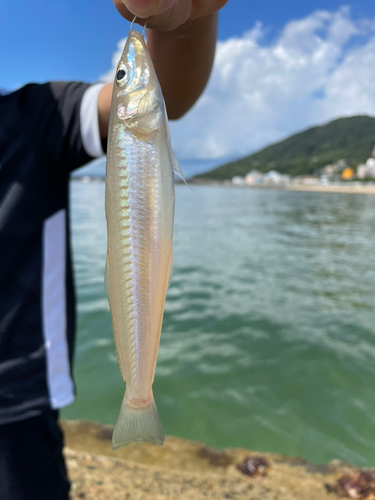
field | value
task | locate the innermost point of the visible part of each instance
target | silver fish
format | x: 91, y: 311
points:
x: 139, y: 203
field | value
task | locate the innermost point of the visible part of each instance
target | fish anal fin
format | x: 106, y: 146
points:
x: 106, y: 277
x: 170, y: 270
x: 107, y: 288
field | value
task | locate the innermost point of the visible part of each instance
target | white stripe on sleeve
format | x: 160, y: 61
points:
x: 90, y: 122
x: 59, y: 381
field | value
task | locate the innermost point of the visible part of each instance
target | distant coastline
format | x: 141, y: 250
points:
x: 333, y: 188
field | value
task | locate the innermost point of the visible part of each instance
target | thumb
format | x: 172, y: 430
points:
x: 147, y: 8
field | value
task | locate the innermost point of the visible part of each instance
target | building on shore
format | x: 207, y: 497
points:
x: 347, y: 174
x: 305, y: 180
x: 366, y: 169
x: 237, y: 180
x: 274, y: 178
x: 254, y: 177
x: 334, y: 172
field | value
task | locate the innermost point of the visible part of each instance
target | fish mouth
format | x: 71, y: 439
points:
x: 137, y: 35
x: 135, y: 45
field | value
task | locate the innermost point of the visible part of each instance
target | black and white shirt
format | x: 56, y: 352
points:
x: 46, y: 131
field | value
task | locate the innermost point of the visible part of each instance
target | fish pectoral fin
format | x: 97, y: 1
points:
x: 145, y: 105
x: 146, y: 118
x: 176, y: 166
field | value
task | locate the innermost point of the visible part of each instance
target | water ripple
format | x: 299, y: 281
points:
x: 269, y: 325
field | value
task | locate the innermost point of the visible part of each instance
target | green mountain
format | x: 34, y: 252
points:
x: 352, y: 139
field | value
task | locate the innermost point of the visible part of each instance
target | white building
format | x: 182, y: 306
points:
x: 366, y: 169
x: 237, y: 180
x: 305, y: 180
x: 274, y: 178
x: 253, y: 177
x: 328, y: 170
x: 340, y: 165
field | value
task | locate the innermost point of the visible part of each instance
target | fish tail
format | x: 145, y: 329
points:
x: 140, y: 423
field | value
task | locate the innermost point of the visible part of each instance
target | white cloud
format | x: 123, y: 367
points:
x: 319, y: 68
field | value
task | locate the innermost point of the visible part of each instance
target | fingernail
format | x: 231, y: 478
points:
x: 147, y: 8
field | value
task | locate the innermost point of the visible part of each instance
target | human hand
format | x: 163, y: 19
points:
x: 167, y: 15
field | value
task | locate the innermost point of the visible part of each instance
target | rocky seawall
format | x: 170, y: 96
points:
x: 189, y: 470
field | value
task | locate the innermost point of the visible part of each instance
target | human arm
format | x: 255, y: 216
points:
x: 181, y: 41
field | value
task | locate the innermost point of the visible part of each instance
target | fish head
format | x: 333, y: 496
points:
x: 137, y: 96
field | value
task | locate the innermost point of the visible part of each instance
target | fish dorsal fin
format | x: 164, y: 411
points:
x: 176, y: 166
x: 166, y: 121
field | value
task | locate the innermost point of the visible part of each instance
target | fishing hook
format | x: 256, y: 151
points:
x: 144, y: 27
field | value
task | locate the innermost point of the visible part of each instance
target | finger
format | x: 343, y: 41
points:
x: 166, y: 21
x: 202, y: 8
x: 148, y: 8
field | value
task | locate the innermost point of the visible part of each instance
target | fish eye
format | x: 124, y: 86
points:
x: 121, y: 74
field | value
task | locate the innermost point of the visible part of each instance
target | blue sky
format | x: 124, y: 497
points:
x: 70, y: 39
x: 280, y: 66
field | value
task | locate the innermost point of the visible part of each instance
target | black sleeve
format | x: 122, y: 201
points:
x: 53, y: 115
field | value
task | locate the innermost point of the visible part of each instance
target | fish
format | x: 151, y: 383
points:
x: 139, y: 207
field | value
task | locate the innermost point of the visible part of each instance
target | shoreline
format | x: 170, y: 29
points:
x: 187, y: 470
x: 292, y: 187
x: 296, y: 187
x: 334, y: 189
